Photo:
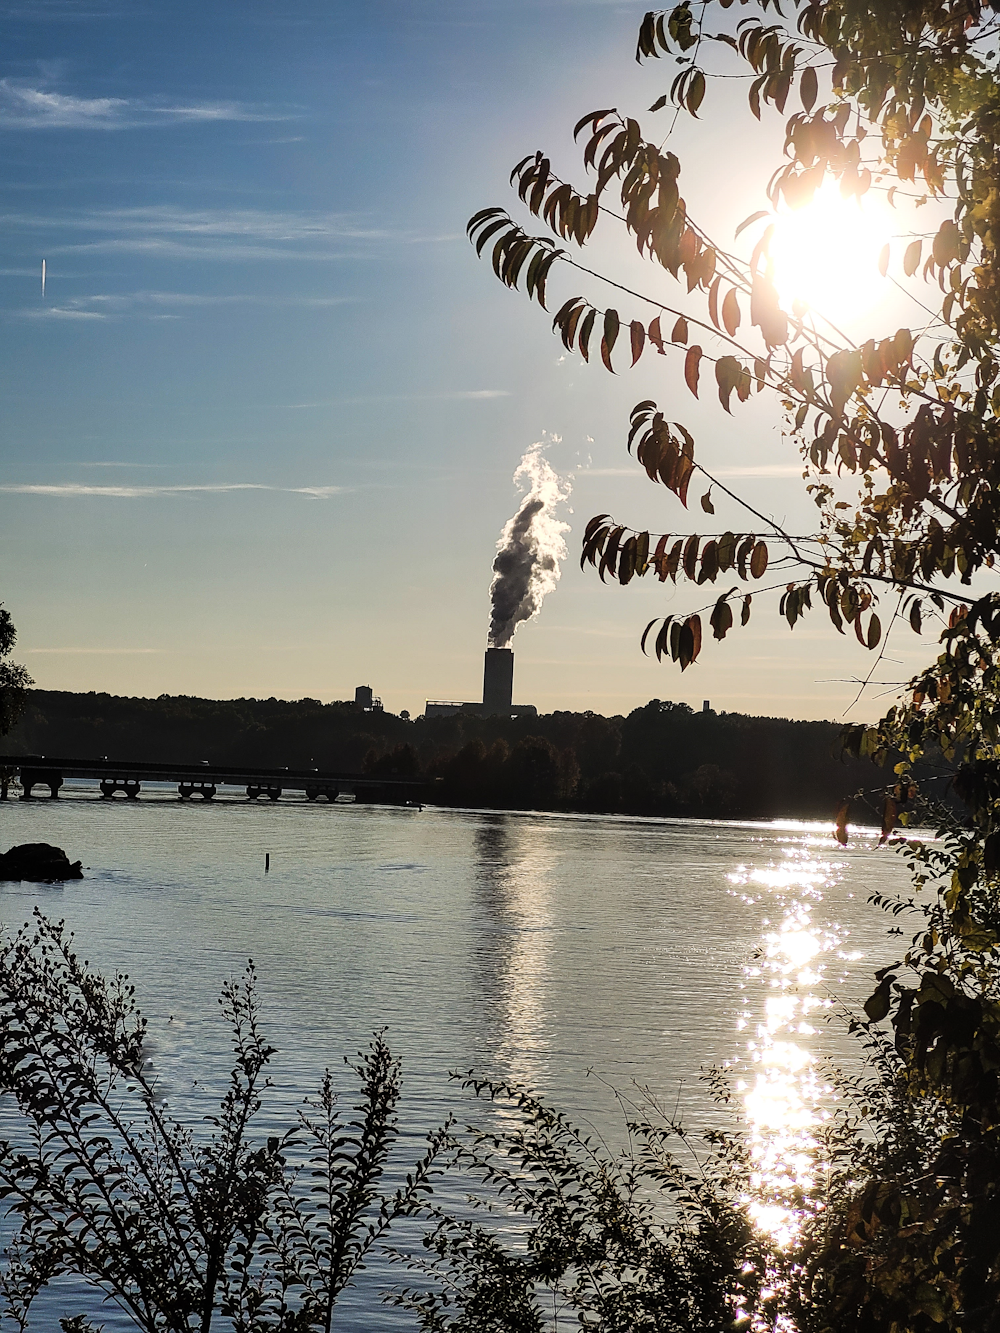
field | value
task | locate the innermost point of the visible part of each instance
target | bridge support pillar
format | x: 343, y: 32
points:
x: 40, y: 777
x: 314, y: 793
x: 255, y: 791
x: 130, y: 786
x: 206, y: 790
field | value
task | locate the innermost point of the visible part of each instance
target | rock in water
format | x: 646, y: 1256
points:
x: 38, y: 862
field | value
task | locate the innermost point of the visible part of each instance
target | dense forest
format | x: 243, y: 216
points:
x: 662, y: 759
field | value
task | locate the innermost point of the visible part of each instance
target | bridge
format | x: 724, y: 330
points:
x: 204, y: 779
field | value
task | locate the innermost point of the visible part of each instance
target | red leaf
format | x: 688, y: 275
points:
x: 696, y: 93
x: 693, y: 625
x: 758, y: 560
x: 748, y: 222
x: 728, y: 373
x: 713, y: 302
x: 610, y: 335
x: 841, y: 822
x: 911, y: 257
x: 731, y: 312
x: 638, y: 332
x: 889, y: 813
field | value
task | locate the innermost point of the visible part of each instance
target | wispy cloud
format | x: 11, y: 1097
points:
x: 23, y: 107
x: 153, y: 304
x: 167, y: 231
x: 219, y: 250
x: 60, y: 312
x: 247, y: 223
x: 233, y: 298
x: 74, y: 489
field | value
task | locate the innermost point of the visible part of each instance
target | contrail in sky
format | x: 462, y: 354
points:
x: 73, y: 488
x: 530, y: 548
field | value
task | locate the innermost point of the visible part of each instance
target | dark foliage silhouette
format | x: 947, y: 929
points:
x: 181, y: 1229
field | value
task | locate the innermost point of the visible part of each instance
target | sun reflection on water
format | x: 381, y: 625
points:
x: 514, y: 879
x: 787, y: 988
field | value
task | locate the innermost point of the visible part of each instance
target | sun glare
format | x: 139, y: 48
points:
x: 826, y: 254
x: 785, y: 1092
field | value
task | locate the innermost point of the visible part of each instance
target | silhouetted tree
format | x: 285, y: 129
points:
x: 14, y: 679
x: 898, y: 436
x: 401, y: 762
x: 186, y: 1229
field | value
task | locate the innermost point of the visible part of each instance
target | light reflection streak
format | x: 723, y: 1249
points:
x: 784, y: 1094
x: 513, y: 874
x: 526, y: 1017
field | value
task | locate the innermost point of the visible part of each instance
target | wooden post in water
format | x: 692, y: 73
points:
x: 267, y: 862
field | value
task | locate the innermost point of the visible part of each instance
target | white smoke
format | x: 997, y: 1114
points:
x: 530, y: 547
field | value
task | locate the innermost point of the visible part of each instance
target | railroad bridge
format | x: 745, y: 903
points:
x: 204, y: 780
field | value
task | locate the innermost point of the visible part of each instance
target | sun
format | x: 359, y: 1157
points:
x: 826, y: 254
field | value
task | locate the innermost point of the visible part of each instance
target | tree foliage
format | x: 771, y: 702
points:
x: 181, y: 1230
x: 14, y: 679
x: 899, y: 437
x: 656, y: 1239
x: 659, y: 760
x: 909, y: 416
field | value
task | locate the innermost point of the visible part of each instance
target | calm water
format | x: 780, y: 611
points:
x: 530, y: 947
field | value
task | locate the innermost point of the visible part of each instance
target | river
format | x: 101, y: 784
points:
x: 572, y: 953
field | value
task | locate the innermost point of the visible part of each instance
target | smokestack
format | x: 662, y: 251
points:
x: 498, y: 682
x: 530, y: 548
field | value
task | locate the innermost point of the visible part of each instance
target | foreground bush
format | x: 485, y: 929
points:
x: 655, y: 1238
x: 185, y: 1230
x: 180, y: 1230
x: 189, y: 1231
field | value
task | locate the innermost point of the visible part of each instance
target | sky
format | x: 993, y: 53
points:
x: 259, y: 435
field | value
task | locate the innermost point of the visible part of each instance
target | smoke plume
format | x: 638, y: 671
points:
x: 530, y: 547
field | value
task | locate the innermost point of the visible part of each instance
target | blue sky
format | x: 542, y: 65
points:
x: 260, y: 432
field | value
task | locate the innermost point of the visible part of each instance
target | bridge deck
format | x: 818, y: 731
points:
x: 42, y: 767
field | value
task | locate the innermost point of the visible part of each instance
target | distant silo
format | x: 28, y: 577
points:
x: 498, y: 682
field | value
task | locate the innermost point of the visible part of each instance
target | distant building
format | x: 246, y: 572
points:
x: 449, y: 707
x: 498, y: 682
x: 498, y: 688
x: 444, y: 708
x: 365, y: 701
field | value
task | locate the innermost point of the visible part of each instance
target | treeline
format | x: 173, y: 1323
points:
x: 662, y: 759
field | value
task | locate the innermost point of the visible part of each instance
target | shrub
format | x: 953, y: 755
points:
x: 180, y: 1230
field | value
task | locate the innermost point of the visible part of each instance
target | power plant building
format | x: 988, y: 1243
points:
x: 498, y: 692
